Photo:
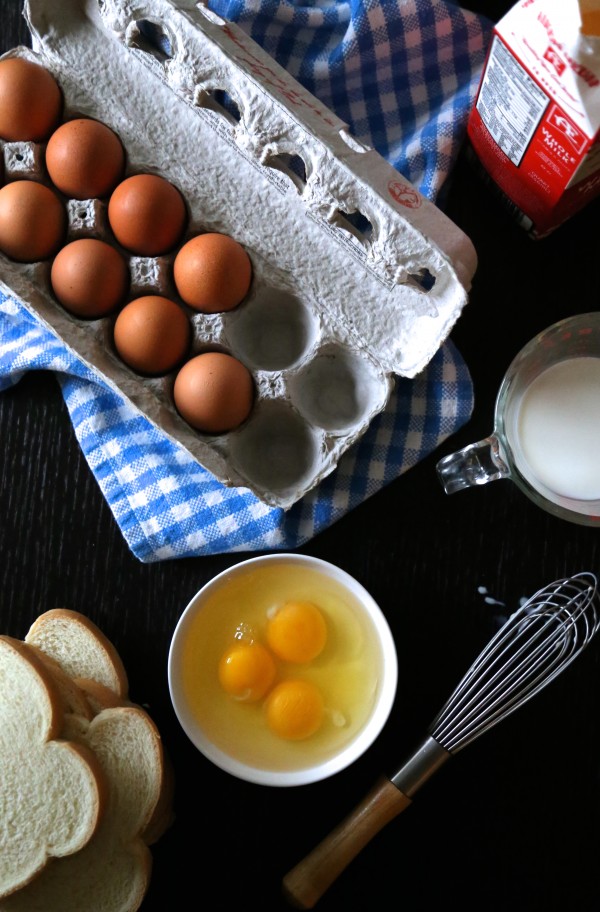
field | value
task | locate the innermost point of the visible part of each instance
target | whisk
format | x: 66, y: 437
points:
x: 535, y: 644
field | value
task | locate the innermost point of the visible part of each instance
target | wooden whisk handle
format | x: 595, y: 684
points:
x: 304, y: 885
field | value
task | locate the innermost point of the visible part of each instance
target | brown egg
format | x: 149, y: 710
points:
x: 89, y: 277
x: 85, y: 159
x: 33, y: 221
x: 30, y: 101
x: 212, y: 273
x: 147, y: 214
x: 152, y: 334
x: 214, y: 392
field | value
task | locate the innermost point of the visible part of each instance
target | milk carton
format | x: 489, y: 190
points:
x: 535, y: 125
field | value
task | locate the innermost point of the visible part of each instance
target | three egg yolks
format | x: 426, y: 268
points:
x: 295, y: 633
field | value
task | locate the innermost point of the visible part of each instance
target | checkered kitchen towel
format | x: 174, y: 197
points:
x: 403, y: 75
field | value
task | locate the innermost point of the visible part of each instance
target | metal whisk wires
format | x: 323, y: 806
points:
x: 536, y: 643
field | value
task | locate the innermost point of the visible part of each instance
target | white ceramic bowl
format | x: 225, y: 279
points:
x: 361, y: 630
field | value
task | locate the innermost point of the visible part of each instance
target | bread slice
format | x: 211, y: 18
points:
x: 80, y: 648
x: 74, y: 698
x: 112, y: 872
x: 100, y: 698
x: 52, y: 792
x: 83, y: 651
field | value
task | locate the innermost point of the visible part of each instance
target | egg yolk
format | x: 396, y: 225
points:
x: 295, y: 710
x: 246, y: 671
x: 297, y: 632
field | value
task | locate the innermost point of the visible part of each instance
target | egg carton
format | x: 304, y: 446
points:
x: 357, y: 278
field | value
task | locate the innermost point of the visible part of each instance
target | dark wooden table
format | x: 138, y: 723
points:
x: 512, y: 822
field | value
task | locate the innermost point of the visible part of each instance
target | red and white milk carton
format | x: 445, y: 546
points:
x: 535, y: 125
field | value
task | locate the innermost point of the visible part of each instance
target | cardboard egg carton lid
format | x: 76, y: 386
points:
x: 326, y: 221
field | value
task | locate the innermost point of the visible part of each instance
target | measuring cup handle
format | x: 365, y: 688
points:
x: 475, y: 464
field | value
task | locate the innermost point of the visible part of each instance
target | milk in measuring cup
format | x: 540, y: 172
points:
x: 558, y: 429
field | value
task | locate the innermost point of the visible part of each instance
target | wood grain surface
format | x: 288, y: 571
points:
x: 512, y: 822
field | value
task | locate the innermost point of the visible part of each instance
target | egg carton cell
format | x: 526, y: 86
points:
x: 277, y: 451
x: 273, y: 330
x: 338, y: 390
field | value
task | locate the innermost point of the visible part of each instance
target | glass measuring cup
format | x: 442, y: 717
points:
x: 546, y: 430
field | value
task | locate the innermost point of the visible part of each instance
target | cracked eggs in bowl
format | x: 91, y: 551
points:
x: 282, y: 670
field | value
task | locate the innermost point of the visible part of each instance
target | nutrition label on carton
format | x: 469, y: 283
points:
x: 510, y: 103
x: 535, y: 126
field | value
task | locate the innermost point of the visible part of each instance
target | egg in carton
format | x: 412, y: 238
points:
x: 356, y: 278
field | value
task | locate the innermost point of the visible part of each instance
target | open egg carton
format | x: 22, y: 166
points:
x: 356, y: 278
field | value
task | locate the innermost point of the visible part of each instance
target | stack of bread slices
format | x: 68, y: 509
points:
x: 85, y: 784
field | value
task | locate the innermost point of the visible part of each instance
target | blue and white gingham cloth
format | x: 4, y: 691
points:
x: 403, y: 75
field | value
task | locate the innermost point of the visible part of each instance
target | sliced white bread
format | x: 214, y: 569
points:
x: 52, y: 792
x: 112, y: 872
x: 99, y: 698
x: 80, y: 648
x: 73, y: 697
